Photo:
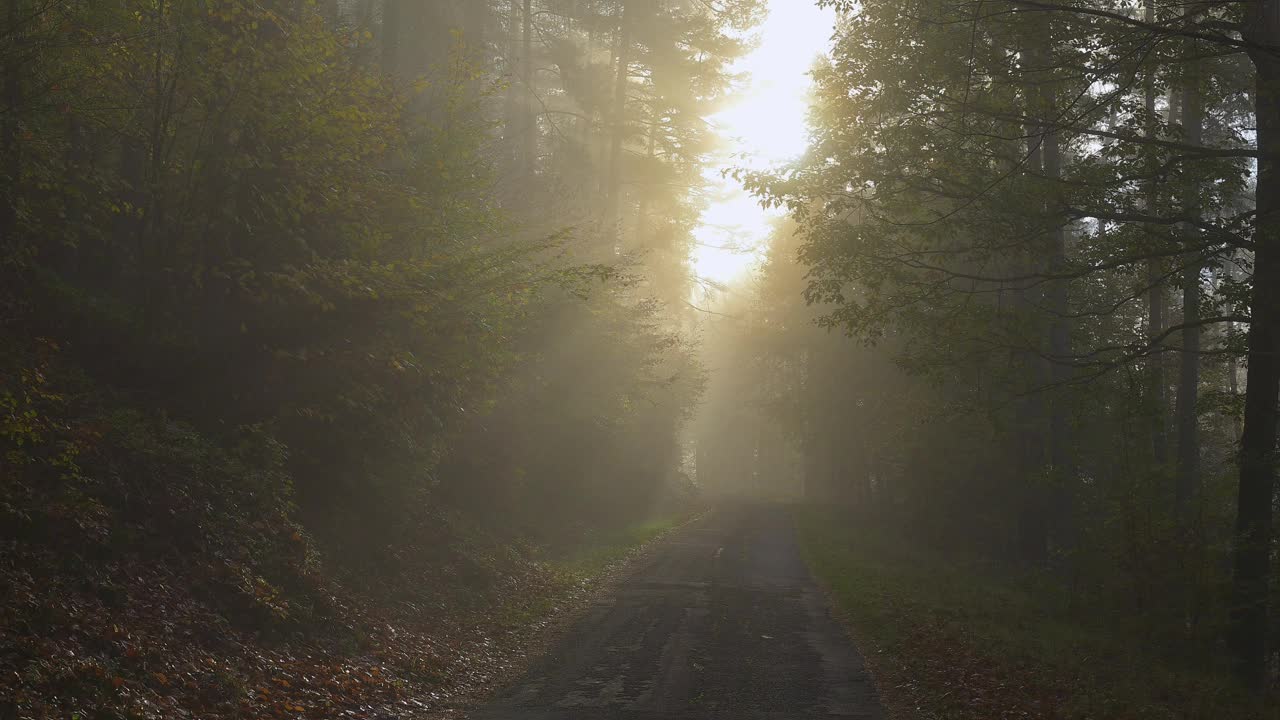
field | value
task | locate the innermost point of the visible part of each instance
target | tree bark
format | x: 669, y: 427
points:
x: 1253, y: 532
x: 511, y: 101
x: 1059, y: 328
x: 586, y: 122
x: 1032, y: 521
x: 1057, y: 301
x: 642, y: 214
x: 1188, y: 461
x: 529, y: 137
x: 613, y: 202
x: 1158, y: 396
x: 12, y: 162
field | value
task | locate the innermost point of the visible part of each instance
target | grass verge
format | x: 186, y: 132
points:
x: 948, y: 641
x: 574, y: 570
x: 602, y: 549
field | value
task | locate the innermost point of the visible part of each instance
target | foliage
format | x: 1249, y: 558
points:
x: 949, y: 638
x: 284, y: 317
x: 1044, y: 228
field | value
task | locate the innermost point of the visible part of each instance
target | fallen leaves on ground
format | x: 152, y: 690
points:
x: 133, y: 640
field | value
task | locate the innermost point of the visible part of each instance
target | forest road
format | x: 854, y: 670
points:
x: 721, y: 622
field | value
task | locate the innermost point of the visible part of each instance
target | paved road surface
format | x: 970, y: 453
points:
x: 722, y: 622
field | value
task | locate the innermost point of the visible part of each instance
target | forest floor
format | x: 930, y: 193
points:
x: 721, y: 621
x: 947, y: 639
x: 139, y: 642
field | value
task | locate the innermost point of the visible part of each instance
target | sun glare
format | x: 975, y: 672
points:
x: 765, y: 127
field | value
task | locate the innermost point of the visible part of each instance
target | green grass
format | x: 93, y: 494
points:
x: 602, y: 549
x: 948, y: 640
x: 579, y: 565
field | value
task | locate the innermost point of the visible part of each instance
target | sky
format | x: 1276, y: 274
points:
x: 766, y: 126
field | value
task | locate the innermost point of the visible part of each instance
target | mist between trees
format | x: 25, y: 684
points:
x: 300, y: 299
x: 320, y: 320
x: 1048, y: 233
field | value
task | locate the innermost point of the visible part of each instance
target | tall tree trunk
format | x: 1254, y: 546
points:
x: 438, y: 29
x: 622, y: 61
x: 642, y: 214
x: 586, y: 122
x: 475, y: 22
x: 1032, y: 525
x: 1157, y: 392
x: 426, y: 39
x: 1060, y: 371
x: 391, y: 36
x: 153, y: 242
x: 1052, y: 501
x: 1233, y: 385
x: 529, y: 137
x: 1188, y: 468
x: 11, y: 169
x: 472, y: 19
x: 1253, y: 533
x: 511, y: 101
x: 362, y: 22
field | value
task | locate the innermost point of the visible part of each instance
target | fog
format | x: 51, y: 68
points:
x: 638, y: 358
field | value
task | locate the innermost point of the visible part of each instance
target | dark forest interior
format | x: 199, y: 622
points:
x: 356, y: 355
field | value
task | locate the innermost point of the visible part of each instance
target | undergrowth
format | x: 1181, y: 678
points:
x: 950, y: 639
x: 152, y: 570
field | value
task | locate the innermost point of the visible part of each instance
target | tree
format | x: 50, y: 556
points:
x: 1254, y: 537
x: 1019, y: 216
